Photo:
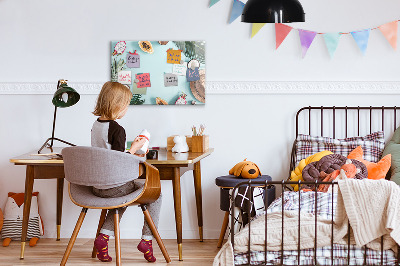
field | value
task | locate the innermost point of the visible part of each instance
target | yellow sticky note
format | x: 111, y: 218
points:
x: 174, y: 56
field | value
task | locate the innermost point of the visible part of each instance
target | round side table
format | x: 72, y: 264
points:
x: 228, y: 182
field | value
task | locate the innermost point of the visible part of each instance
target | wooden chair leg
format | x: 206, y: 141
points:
x: 154, y: 230
x: 223, y: 229
x: 101, y: 222
x: 117, y: 239
x: 73, y: 237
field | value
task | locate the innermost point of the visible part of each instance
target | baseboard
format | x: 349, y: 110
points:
x: 231, y: 87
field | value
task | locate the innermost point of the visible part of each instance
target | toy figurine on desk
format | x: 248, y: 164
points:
x: 180, y: 144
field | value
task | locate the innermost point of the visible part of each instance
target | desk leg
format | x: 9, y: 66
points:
x: 176, y: 183
x: 27, y: 206
x: 60, y: 190
x: 197, y: 189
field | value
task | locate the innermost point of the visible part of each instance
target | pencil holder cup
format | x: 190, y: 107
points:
x: 200, y: 143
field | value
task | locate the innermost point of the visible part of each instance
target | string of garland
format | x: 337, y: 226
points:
x: 361, y: 37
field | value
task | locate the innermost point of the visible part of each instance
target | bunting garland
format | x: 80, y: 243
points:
x: 389, y: 30
x: 306, y: 39
x: 361, y: 37
x: 281, y: 31
x: 256, y: 27
x: 213, y: 2
x: 332, y: 41
x: 237, y: 9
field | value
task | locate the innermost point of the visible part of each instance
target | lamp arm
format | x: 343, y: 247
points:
x: 54, y: 126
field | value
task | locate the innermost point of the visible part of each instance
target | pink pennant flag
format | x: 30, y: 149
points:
x: 389, y: 30
x: 281, y: 31
x: 306, y: 39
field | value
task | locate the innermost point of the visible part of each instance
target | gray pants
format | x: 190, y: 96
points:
x: 154, y: 208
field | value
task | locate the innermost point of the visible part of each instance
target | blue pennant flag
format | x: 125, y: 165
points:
x: 213, y: 2
x: 332, y: 41
x: 361, y: 37
x: 237, y: 9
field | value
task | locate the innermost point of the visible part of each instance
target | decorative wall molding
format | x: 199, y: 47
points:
x: 233, y: 87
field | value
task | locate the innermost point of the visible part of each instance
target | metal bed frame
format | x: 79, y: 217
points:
x: 283, y: 184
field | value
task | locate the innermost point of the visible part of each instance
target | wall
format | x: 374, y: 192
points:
x: 47, y: 40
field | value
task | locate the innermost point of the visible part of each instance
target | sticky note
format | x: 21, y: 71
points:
x: 136, y: 90
x: 170, y: 80
x: 174, y: 56
x: 179, y: 69
x: 125, y: 77
x: 144, y: 80
x: 133, y: 60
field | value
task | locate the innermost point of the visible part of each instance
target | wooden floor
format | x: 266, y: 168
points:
x: 50, y: 252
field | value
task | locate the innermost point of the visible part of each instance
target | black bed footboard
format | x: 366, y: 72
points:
x: 301, y: 254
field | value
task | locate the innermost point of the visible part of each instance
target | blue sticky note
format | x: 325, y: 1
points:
x: 192, y: 74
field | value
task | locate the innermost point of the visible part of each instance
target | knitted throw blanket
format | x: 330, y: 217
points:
x: 373, y: 209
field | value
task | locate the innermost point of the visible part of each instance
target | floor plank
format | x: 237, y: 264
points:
x: 49, y: 252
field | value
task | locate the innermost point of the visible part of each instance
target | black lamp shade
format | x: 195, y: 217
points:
x: 273, y: 11
x: 65, y: 96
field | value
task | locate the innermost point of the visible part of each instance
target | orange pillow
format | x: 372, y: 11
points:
x: 375, y: 170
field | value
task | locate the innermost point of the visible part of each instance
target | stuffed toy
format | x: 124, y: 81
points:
x: 13, y: 215
x: 375, y: 170
x: 296, y: 174
x: 245, y: 169
x: 180, y: 144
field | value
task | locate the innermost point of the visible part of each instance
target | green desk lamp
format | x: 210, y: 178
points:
x: 64, y: 96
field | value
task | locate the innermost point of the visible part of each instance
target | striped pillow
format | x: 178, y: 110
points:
x: 372, y: 145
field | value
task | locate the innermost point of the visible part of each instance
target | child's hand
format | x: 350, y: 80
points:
x: 137, y: 144
x: 143, y: 155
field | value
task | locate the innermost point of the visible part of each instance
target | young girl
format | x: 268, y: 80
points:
x: 112, y: 104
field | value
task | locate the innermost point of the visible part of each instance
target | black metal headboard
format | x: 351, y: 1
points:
x: 325, y: 121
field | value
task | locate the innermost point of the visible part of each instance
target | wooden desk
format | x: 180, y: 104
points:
x: 40, y: 167
x: 168, y: 164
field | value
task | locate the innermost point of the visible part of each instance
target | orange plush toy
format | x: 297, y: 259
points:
x: 245, y: 169
x: 375, y: 170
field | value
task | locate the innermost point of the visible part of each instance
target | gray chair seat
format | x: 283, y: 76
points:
x: 83, y: 196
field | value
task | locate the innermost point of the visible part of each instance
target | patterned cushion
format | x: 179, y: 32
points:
x: 372, y: 144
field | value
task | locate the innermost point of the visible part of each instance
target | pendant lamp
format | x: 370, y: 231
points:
x: 64, y: 96
x: 272, y: 11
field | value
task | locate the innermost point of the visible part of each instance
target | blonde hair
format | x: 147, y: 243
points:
x: 112, y: 99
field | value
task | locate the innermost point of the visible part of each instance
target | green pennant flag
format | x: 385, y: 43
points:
x: 213, y: 2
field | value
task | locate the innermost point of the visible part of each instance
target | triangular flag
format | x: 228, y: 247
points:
x: 332, y: 41
x: 213, y: 2
x: 361, y: 37
x: 390, y: 32
x: 281, y: 31
x: 306, y: 39
x: 255, y: 28
x: 237, y: 9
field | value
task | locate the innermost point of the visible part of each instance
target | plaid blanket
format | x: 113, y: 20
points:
x: 323, y: 205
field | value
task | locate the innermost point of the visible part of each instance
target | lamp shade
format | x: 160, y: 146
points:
x: 273, y: 11
x: 65, y: 96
